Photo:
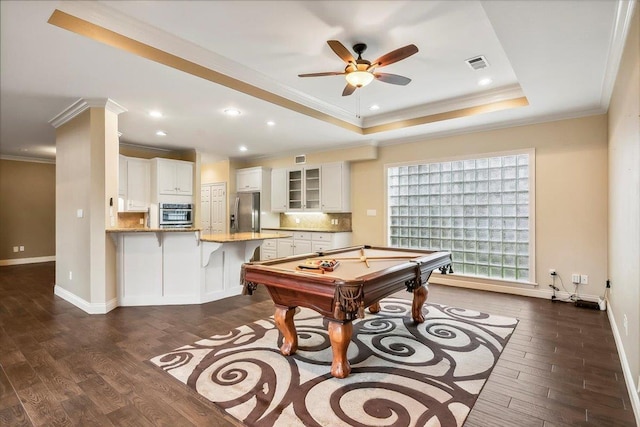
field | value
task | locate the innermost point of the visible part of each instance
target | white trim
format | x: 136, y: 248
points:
x: 624, y: 14
x: 27, y: 159
x: 526, y: 291
x: 32, y: 260
x: 128, y: 26
x: 467, y: 101
x: 82, y: 105
x: 626, y: 369
x: 88, y: 307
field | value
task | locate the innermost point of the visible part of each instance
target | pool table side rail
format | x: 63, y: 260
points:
x: 325, y: 294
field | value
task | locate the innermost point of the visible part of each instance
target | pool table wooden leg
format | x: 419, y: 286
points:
x: 419, y: 297
x: 284, y: 322
x: 374, y: 308
x: 340, y: 337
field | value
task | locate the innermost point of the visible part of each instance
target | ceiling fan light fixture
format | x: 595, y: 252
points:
x: 359, y: 78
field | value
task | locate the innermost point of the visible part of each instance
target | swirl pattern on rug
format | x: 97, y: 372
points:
x: 403, y: 374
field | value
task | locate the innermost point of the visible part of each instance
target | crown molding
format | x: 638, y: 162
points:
x: 125, y: 25
x: 27, y: 159
x: 82, y: 105
x: 494, y: 95
x: 624, y: 15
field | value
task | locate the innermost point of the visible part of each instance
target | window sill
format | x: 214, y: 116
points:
x: 453, y: 279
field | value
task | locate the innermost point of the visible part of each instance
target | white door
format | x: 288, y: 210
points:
x: 219, y: 207
x: 205, y: 208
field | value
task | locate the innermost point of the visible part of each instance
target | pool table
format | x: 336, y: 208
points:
x: 352, y: 278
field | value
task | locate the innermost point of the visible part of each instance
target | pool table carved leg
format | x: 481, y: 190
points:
x: 374, y: 308
x: 419, y: 297
x: 340, y: 337
x: 284, y: 322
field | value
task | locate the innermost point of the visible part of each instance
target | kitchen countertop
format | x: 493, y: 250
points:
x: 238, y: 237
x: 317, y: 230
x: 151, y: 230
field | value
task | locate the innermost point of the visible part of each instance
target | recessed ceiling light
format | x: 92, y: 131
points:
x: 161, y: 133
x: 24, y: 149
x: 243, y: 148
x: 232, y: 112
x: 485, y: 81
x: 155, y: 113
x: 374, y: 107
x: 271, y: 123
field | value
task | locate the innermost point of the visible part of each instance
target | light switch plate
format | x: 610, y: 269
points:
x: 371, y: 212
x: 79, y: 213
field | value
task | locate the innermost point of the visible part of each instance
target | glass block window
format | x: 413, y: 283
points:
x: 477, y: 209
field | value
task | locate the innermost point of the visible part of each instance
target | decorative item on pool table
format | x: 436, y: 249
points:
x: 319, y: 265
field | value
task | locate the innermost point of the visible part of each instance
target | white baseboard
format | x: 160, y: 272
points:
x: 88, y: 307
x: 525, y: 289
x: 34, y: 260
x: 626, y: 369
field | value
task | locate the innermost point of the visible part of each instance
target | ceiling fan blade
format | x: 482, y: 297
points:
x: 394, y: 79
x: 341, y: 51
x: 348, y: 90
x: 328, y: 73
x: 395, y: 56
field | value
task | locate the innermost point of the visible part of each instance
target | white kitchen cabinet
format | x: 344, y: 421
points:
x: 269, y: 249
x: 303, y: 186
x: 285, y: 247
x: 279, y: 200
x: 138, y: 185
x: 335, y: 187
x: 253, y: 179
x: 122, y: 177
x: 174, y: 177
x: 134, y: 184
x: 303, y: 242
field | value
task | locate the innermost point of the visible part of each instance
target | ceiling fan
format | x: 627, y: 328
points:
x: 360, y: 72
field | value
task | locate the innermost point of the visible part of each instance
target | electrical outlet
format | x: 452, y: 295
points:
x: 141, y: 221
x: 21, y: 248
x: 297, y: 220
x: 16, y: 249
x: 552, y: 272
x: 70, y: 275
x: 584, y: 279
x: 575, y: 278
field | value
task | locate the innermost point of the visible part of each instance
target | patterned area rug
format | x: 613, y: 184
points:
x: 402, y: 374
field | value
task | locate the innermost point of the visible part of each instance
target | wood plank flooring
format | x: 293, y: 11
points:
x: 60, y: 366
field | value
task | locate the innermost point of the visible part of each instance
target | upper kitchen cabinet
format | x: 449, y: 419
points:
x: 253, y: 179
x: 335, y: 187
x: 279, y: 199
x: 134, y: 184
x: 324, y: 188
x: 173, y: 177
x: 304, y: 189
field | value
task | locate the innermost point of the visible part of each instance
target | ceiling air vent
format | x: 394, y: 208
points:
x: 477, y: 63
x: 301, y: 159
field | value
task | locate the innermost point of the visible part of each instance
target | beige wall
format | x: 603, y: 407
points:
x: 28, y: 214
x: 624, y: 202
x: 571, y: 191
x: 86, y: 178
x: 212, y: 173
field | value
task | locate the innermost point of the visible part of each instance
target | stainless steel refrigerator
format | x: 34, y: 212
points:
x: 245, y: 214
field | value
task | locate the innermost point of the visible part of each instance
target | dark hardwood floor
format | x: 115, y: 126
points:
x: 60, y: 366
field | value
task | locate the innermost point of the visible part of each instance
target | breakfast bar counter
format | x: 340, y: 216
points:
x: 180, y: 266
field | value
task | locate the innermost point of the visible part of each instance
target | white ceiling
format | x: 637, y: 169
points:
x: 561, y: 55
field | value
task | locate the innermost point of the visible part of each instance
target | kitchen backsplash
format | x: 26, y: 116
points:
x: 131, y: 219
x: 322, y: 221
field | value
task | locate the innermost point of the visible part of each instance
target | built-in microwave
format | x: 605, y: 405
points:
x: 176, y: 215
